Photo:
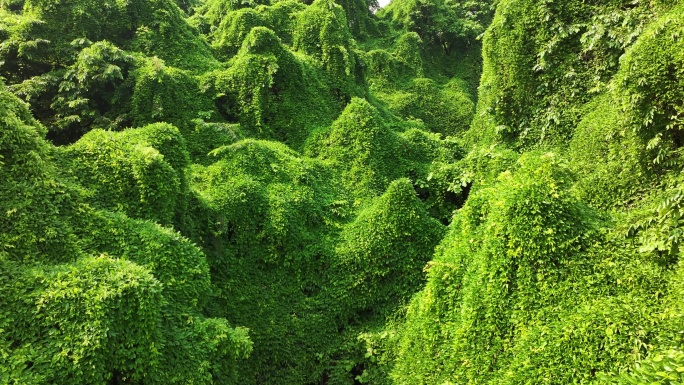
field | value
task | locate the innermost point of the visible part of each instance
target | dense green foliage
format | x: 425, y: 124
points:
x: 90, y: 295
x: 320, y: 192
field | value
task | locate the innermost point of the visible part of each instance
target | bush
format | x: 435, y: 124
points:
x: 447, y: 110
x: 510, y: 253
x: 362, y: 144
x: 381, y: 254
x: 34, y: 201
x: 322, y: 32
x: 124, y: 172
x: 167, y: 94
x: 93, y: 321
x: 649, y: 85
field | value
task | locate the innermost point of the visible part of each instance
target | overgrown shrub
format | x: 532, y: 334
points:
x: 511, y: 255
x: 127, y: 171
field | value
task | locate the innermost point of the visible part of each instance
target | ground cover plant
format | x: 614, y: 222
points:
x: 319, y: 192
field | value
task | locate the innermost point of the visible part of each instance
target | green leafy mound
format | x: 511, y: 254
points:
x: 195, y: 348
x: 92, y: 321
x: 634, y: 126
x: 546, y: 82
x: 513, y: 251
x: 273, y: 222
x: 440, y: 23
x: 204, y: 137
x: 234, y: 28
x: 281, y: 17
x: 370, y: 154
x: 648, y: 85
x: 624, y: 169
x: 273, y: 227
x: 263, y: 214
x: 322, y: 31
x: 397, y: 78
x: 408, y: 50
x: 267, y: 197
x: 34, y: 202
x: 127, y: 172
x: 543, y: 62
x: 74, y: 84
x: 362, y: 144
x: 132, y: 312
x: 90, y: 87
x: 271, y: 91
x: 155, y: 27
x: 167, y: 94
x: 384, y: 250
x: 447, y: 110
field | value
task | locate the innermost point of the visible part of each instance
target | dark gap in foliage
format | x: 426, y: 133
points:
x: 458, y: 200
x: 422, y: 192
x: 357, y: 371
x: 16, y: 6
x: 66, y: 137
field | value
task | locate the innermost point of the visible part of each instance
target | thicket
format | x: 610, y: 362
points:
x: 90, y: 295
x: 321, y: 192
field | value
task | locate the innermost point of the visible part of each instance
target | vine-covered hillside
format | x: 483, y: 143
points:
x: 318, y: 192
